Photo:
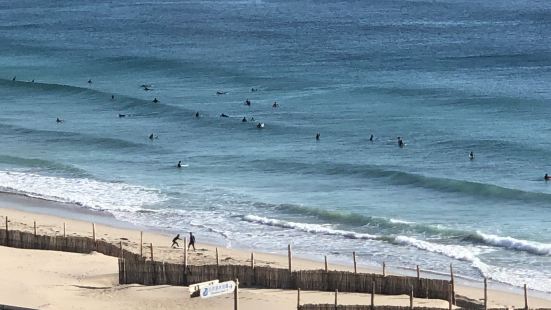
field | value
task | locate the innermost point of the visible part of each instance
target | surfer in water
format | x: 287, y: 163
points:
x: 152, y: 137
x: 122, y: 115
x: 248, y: 102
x: 244, y: 120
x: 260, y: 125
x: 155, y: 100
x: 90, y: 81
x: 179, y: 165
x: 223, y: 115
x: 318, y: 136
x: 58, y: 120
x: 14, y: 78
x: 400, y: 142
x: 196, y: 114
x: 546, y: 177
x: 471, y: 155
x: 275, y: 105
x: 371, y: 138
x: 112, y: 97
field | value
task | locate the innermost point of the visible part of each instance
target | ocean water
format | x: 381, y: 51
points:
x: 450, y: 77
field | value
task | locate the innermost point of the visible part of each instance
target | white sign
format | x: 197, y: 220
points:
x: 217, y: 289
x: 197, y: 286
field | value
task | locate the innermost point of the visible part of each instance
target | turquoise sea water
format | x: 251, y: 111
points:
x: 450, y: 77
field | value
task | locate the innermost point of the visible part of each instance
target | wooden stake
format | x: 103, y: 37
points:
x: 485, y: 293
x: 141, y: 243
x: 217, y: 261
x: 354, y: 258
x: 64, y: 235
x: 336, y: 299
x: 120, y: 248
x: 373, y: 295
x: 185, y: 254
x: 151, y: 244
x: 94, y: 232
x: 452, y: 280
x: 450, y: 296
x: 525, y: 298
x: 411, y: 298
x: 325, y: 263
x: 252, y: 260
x: 418, y: 274
x: 298, y: 298
x: 35, y: 229
x: 290, y: 257
x: 236, y: 295
x: 384, y: 269
x: 7, y: 232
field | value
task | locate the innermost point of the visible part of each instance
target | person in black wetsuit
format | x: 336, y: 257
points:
x: 175, y: 241
x: 179, y: 165
x: 248, y: 102
x: 244, y: 120
x: 546, y: 177
x: 318, y: 136
x: 155, y: 100
x: 471, y: 155
x: 196, y: 114
x: 191, y: 241
x: 371, y: 138
x: 400, y: 142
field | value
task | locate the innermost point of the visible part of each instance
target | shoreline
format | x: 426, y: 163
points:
x: 50, y: 216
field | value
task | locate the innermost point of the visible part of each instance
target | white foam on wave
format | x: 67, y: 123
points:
x: 310, y: 228
x: 533, y: 247
x: 454, y: 251
x: 396, y: 221
x: 85, y: 192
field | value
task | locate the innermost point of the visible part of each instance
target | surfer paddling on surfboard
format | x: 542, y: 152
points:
x: 546, y: 177
x: 471, y: 155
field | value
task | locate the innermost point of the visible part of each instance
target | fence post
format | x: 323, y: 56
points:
x: 449, y: 296
x: 7, y: 232
x: 252, y: 260
x: 372, y: 295
x: 217, y: 260
x: 354, y: 259
x: 141, y: 243
x: 120, y: 249
x: 236, y: 295
x: 298, y: 298
x: 325, y: 263
x: 151, y: 244
x: 34, y: 223
x: 453, y: 283
x: 94, y: 232
x: 411, y: 298
x: 185, y: 254
x: 525, y: 298
x: 64, y: 235
x: 418, y: 274
x: 290, y: 257
x: 336, y: 299
x: 384, y: 269
x: 485, y: 293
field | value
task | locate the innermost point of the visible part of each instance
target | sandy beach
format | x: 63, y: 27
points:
x: 57, y: 280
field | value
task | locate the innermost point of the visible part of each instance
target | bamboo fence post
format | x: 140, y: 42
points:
x: 151, y: 245
x: 290, y: 257
x: 7, y: 232
x: 236, y: 295
x: 141, y: 243
x: 94, y: 232
x: 453, y: 283
x: 418, y: 274
x: 411, y: 298
x: 185, y: 254
x: 336, y: 299
x: 384, y: 269
x: 64, y: 235
x: 34, y: 223
x: 525, y: 298
x: 252, y: 260
x: 354, y: 259
x: 449, y: 296
x: 325, y: 263
x: 485, y: 293
x: 217, y: 260
x: 373, y: 295
x: 120, y: 248
x: 298, y: 298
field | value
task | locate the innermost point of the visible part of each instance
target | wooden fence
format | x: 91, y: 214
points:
x: 160, y: 273
x: 368, y: 307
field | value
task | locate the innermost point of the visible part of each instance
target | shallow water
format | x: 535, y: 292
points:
x: 449, y: 77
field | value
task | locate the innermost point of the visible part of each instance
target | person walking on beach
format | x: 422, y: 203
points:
x: 175, y: 241
x: 191, y: 241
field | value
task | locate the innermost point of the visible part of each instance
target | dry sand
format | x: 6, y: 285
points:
x: 56, y: 280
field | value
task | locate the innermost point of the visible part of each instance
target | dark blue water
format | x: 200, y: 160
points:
x: 450, y: 77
